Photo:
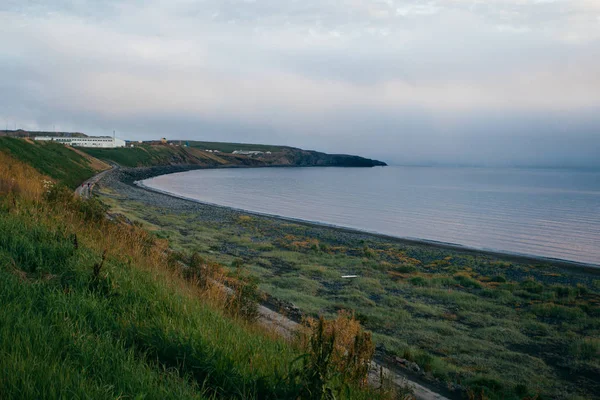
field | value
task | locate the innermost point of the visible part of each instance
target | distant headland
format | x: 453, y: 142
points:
x: 168, y: 152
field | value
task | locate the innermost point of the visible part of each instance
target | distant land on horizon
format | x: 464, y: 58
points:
x: 156, y: 153
x: 232, y: 146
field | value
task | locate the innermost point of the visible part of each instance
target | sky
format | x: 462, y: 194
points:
x: 460, y: 82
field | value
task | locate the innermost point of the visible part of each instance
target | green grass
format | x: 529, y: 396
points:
x: 140, y: 156
x: 51, y: 159
x: 463, y: 317
x: 129, y: 335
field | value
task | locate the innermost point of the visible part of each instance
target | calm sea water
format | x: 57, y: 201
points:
x: 550, y: 213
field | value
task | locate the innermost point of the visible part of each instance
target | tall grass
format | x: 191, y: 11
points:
x: 51, y: 159
x: 91, y: 308
x: 18, y: 179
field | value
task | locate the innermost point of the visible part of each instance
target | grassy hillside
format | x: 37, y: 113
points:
x: 93, y: 308
x: 54, y: 160
x: 133, y: 157
x: 147, y: 156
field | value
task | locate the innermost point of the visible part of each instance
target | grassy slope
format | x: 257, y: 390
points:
x: 511, y: 328
x: 141, y: 156
x: 51, y: 159
x: 126, y: 336
x: 136, y: 329
x: 146, y: 156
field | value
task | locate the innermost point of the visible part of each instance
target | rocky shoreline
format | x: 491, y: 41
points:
x: 130, y: 176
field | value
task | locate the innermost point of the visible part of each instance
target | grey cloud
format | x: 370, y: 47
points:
x: 509, y: 82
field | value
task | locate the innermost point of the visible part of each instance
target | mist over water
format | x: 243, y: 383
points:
x: 549, y: 213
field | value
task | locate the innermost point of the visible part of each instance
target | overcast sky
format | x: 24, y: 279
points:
x: 495, y: 82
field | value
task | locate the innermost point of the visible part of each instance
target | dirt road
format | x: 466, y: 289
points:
x: 85, y: 190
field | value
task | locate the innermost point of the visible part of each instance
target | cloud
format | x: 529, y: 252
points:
x: 309, y: 72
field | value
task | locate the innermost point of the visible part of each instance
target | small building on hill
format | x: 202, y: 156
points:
x: 98, y: 142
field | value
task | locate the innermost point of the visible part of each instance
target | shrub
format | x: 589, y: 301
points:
x: 175, y: 258
x: 59, y: 194
x: 484, y: 384
x: 534, y: 328
x: 466, y: 281
x: 405, y: 269
x: 92, y: 210
x: 244, y: 218
x: 581, y: 290
x: 562, y: 291
x: 419, y: 281
x: 339, y: 354
x: 244, y: 299
x: 532, y: 286
x: 318, y: 370
x: 368, y: 252
x: 202, y: 272
x: 555, y: 311
x: 585, y: 348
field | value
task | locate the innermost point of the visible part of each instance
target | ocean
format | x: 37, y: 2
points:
x: 540, y: 212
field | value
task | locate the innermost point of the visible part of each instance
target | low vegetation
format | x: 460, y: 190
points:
x: 486, y: 326
x: 143, y: 155
x: 98, y: 308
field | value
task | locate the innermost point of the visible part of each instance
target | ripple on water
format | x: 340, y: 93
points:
x: 550, y: 213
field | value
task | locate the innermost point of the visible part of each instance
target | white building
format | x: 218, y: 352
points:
x: 101, y: 141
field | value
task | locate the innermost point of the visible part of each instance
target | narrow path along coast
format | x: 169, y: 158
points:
x: 85, y: 189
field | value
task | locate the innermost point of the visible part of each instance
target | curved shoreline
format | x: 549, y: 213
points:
x: 517, y: 257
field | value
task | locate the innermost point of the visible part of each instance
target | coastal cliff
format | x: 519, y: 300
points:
x: 306, y: 158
